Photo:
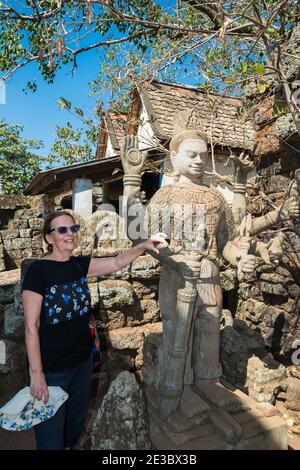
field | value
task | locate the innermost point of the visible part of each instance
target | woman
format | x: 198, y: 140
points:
x: 56, y: 302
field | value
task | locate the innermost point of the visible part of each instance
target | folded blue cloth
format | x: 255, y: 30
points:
x: 23, y: 411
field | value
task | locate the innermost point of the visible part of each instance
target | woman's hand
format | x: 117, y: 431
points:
x: 38, y: 386
x: 159, y: 238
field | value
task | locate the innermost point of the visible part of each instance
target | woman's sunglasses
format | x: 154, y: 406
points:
x: 64, y: 229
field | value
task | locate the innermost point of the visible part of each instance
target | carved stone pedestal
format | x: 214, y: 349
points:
x: 249, y: 426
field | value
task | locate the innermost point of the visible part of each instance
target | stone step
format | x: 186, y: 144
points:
x: 258, y: 429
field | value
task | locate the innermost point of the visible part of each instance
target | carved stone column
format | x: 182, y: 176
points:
x: 177, y: 368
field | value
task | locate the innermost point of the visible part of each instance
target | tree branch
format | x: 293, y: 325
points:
x: 34, y: 18
x: 209, y: 12
x: 108, y: 42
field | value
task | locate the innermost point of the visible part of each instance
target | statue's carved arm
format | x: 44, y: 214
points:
x: 242, y: 166
x: 290, y: 209
x: 133, y: 161
x: 186, y: 263
x: 238, y: 251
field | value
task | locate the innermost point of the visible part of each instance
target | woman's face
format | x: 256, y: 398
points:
x: 62, y: 241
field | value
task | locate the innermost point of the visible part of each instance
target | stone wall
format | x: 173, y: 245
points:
x: 8, y: 206
x: 20, y: 234
x: 261, y: 323
x: 13, y: 367
x: 21, y: 222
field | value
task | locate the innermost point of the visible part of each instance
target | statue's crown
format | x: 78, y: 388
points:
x: 188, y: 120
x: 187, y: 125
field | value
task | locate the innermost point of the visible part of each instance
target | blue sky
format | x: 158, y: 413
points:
x: 39, y: 112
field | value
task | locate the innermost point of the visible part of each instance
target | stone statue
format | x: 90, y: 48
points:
x: 201, y: 227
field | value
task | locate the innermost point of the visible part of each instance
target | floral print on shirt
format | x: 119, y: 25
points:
x: 67, y: 301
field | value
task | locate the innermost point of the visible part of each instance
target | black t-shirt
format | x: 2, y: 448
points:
x: 65, y: 338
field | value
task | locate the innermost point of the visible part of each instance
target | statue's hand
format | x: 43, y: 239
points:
x: 290, y: 209
x: 191, y: 266
x: 242, y: 166
x: 276, y: 248
x: 261, y: 250
x: 132, y: 159
x: 136, y: 196
x: 248, y: 263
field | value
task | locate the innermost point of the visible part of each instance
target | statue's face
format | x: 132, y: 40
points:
x: 191, y: 158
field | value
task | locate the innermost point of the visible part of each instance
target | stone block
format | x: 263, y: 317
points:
x: 293, y: 395
x: 115, y: 293
x: 36, y: 224
x: 15, y: 357
x: 94, y: 291
x: 112, y: 319
x: 145, y: 267
x: 9, y: 278
x: 2, y: 352
x: 294, y: 290
x: 263, y: 371
x: 228, y: 279
x: 122, y: 274
x: 16, y: 255
x: 122, y: 421
x: 8, y: 244
x: 21, y: 243
x: 285, y: 126
x: 23, y: 214
x: 37, y: 242
x: 150, y: 310
x: 252, y: 339
x: 6, y: 294
x: 25, y: 233
x: 252, y: 310
x: 2, y: 265
x: 37, y: 253
x: 275, y: 323
x: 142, y: 312
x: 10, y: 233
x: 27, y: 253
x: 13, y: 323
x: 126, y: 338
x: 272, y: 283
x: 17, y: 224
x: 143, y: 291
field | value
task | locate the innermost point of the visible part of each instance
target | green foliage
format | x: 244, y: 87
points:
x: 72, y: 145
x: 18, y: 163
x: 159, y: 34
x: 220, y: 46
